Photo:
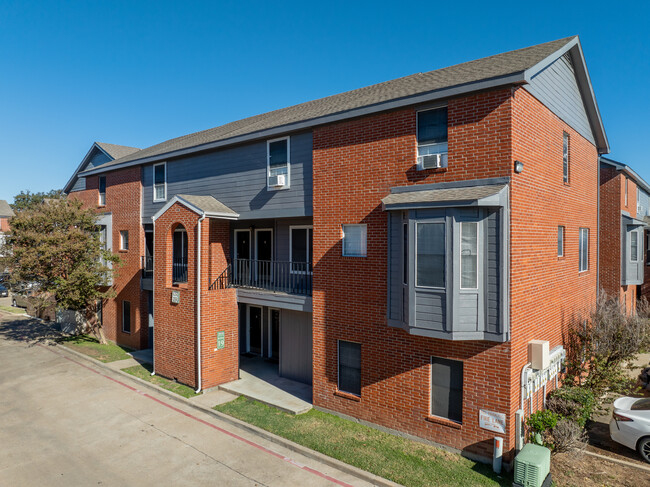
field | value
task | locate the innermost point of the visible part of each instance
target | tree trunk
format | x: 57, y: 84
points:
x: 96, y: 325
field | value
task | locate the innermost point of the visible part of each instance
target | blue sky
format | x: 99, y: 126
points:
x: 137, y: 73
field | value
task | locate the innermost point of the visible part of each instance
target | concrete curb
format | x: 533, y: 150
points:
x: 616, y: 460
x: 290, y: 445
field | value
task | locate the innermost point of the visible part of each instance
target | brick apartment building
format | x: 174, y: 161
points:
x: 397, y: 246
x: 6, y: 214
x: 624, y: 219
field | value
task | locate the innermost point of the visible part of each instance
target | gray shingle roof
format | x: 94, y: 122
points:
x: 117, y: 151
x: 497, y: 66
x: 208, y: 204
x: 5, y: 209
x: 443, y: 195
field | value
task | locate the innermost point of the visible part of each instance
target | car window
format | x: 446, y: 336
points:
x: 641, y: 405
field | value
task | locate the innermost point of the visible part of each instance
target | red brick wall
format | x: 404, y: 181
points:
x: 123, y: 201
x: 610, y: 231
x: 547, y: 291
x: 175, y: 324
x: 355, y: 165
x: 219, y: 310
x: 4, y: 224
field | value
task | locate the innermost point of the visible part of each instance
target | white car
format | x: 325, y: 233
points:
x: 630, y: 424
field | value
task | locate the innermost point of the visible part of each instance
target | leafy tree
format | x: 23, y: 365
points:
x: 27, y: 199
x: 599, y: 348
x: 57, y: 244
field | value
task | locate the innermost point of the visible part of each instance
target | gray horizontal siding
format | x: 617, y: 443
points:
x: 493, y: 275
x: 97, y: 158
x: 237, y: 177
x: 556, y: 87
x: 644, y: 204
x: 430, y: 310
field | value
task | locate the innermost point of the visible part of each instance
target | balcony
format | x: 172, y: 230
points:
x: 179, y: 270
x: 267, y: 275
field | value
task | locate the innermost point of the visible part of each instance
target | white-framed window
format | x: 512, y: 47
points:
x: 584, y: 249
x: 432, y: 138
x: 301, y: 247
x: 447, y: 389
x: 469, y: 255
x: 560, y: 241
x: 430, y: 254
x: 160, y: 182
x: 126, y: 316
x: 634, y: 246
x: 102, y: 191
x: 278, y: 163
x: 124, y: 240
x: 349, y: 367
x: 355, y: 240
x: 565, y: 158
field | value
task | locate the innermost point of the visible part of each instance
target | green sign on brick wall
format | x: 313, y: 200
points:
x: 221, y: 340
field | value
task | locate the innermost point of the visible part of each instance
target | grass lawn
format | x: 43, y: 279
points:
x: 90, y: 346
x: 11, y: 309
x: 143, y: 372
x: 403, y: 461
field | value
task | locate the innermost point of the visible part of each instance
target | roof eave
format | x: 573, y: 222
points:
x: 511, y: 79
x: 70, y: 183
x: 627, y: 170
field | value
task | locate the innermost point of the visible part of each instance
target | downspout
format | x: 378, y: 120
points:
x: 198, y: 302
x: 153, y: 300
x: 598, y: 232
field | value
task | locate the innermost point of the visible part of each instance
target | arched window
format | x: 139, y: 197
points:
x: 179, y: 255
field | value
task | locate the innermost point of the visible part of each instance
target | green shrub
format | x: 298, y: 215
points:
x: 540, y: 425
x: 574, y: 403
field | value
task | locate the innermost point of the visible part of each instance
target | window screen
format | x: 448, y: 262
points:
x: 159, y: 182
x: 584, y: 249
x: 469, y: 255
x: 350, y: 367
x: 565, y: 157
x: 447, y: 388
x: 634, y: 246
x: 124, y: 240
x: 430, y: 254
x: 278, y: 154
x: 560, y: 241
x: 102, y: 190
x: 432, y: 126
x: 354, y: 240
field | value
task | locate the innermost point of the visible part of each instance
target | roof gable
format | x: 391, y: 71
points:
x: 5, y: 210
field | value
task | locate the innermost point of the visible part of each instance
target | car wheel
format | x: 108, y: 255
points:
x: 644, y: 448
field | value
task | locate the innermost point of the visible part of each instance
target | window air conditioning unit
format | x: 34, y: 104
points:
x: 432, y: 161
x: 278, y: 181
x: 639, y: 209
x: 532, y: 466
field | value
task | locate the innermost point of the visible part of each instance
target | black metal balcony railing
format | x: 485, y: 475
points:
x: 147, y: 266
x: 269, y: 275
x: 179, y: 270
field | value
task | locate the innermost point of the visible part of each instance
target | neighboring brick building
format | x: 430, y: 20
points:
x: 624, y: 210
x: 398, y: 247
x: 6, y: 214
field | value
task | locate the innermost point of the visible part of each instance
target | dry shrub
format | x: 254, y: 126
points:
x: 568, y: 436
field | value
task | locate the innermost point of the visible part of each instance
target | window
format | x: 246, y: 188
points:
x: 634, y: 246
x: 626, y: 180
x: 584, y: 249
x: 430, y: 255
x: 126, y: 316
x: 160, y: 182
x: 432, y: 138
x: 565, y: 158
x: 354, y: 240
x: 560, y: 241
x: 102, y: 190
x: 349, y: 367
x: 447, y: 388
x: 301, y: 249
x: 469, y: 255
x: 124, y: 240
x: 179, y: 256
x: 278, y: 163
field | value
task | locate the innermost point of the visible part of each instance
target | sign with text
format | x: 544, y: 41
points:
x: 491, y: 421
x: 176, y: 297
x: 221, y: 340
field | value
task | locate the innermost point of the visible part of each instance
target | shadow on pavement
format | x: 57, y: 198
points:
x: 28, y: 330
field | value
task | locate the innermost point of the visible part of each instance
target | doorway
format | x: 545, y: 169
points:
x: 263, y: 256
x: 254, y: 330
x: 241, y: 268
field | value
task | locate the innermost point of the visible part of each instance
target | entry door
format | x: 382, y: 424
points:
x: 296, y: 346
x: 242, y: 256
x: 264, y: 255
x: 254, y: 335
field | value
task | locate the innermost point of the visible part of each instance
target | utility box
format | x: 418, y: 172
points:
x: 538, y: 354
x: 532, y: 466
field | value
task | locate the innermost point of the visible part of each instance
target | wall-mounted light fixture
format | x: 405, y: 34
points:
x: 519, y: 166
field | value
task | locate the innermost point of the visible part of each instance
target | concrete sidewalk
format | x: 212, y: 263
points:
x: 71, y: 421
